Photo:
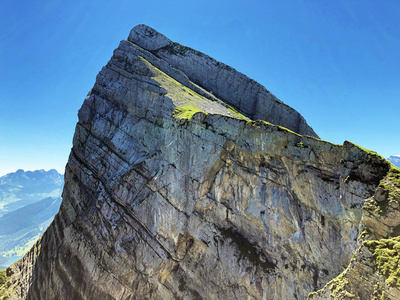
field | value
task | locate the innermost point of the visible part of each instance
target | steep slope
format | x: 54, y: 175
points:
x: 171, y: 193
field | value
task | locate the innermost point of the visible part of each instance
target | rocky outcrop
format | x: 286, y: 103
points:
x: 220, y: 80
x: 172, y: 193
x: 373, y: 272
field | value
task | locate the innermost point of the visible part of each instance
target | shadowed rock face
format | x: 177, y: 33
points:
x: 172, y: 194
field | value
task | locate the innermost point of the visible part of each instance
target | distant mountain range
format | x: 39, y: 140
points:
x: 22, y: 188
x: 395, y: 159
x: 28, y: 202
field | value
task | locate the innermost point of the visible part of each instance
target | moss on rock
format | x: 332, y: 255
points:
x: 4, y: 286
x: 186, y: 112
x: 386, y: 253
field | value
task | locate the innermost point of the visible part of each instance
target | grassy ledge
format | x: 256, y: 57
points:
x: 187, y: 101
x: 259, y: 123
x: 186, y: 112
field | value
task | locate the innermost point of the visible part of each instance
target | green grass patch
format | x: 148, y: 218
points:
x: 3, y: 277
x: 259, y: 123
x: 187, y: 101
x: 391, y: 184
x: 185, y: 112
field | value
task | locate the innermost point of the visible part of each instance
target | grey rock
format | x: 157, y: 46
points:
x: 227, y: 84
x: 381, y: 195
x: 148, y: 38
x: 172, y: 194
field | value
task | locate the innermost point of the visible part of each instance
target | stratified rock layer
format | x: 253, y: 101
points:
x: 172, y: 194
x: 231, y: 86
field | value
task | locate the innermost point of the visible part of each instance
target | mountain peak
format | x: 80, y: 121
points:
x: 148, y: 38
x: 213, y: 79
x: 174, y: 192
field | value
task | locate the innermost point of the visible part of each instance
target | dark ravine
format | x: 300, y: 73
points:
x: 174, y: 192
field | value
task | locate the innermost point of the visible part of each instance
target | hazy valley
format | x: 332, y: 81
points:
x: 28, y: 202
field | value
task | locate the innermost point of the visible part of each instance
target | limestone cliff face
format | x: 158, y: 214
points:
x: 171, y: 193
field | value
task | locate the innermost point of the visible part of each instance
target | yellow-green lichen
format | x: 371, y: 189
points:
x: 4, y: 288
x: 187, y: 101
x: 321, y: 140
x: 234, y: 112
x: 364, y: 234
x: 186, y: 112
x: 338, y: 285
x: 391, y: 184
x: 3, y: 277
x: 383, y: 296
x: 259, y: 123
x: 300, y: 145
x: 386, y: 253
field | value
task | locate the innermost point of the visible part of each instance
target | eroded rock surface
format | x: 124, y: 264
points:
x: 171, y: 193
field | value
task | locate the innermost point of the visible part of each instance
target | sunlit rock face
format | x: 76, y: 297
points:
x: 174, y: 192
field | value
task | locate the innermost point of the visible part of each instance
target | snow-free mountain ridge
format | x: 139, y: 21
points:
x: 188, y: 180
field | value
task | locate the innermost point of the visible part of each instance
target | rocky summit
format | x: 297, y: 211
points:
x: 188, y: 180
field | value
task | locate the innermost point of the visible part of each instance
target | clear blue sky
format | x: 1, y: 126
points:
x: 336, y: 62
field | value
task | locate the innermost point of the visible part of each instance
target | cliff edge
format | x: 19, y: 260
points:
x: 174, y: 192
